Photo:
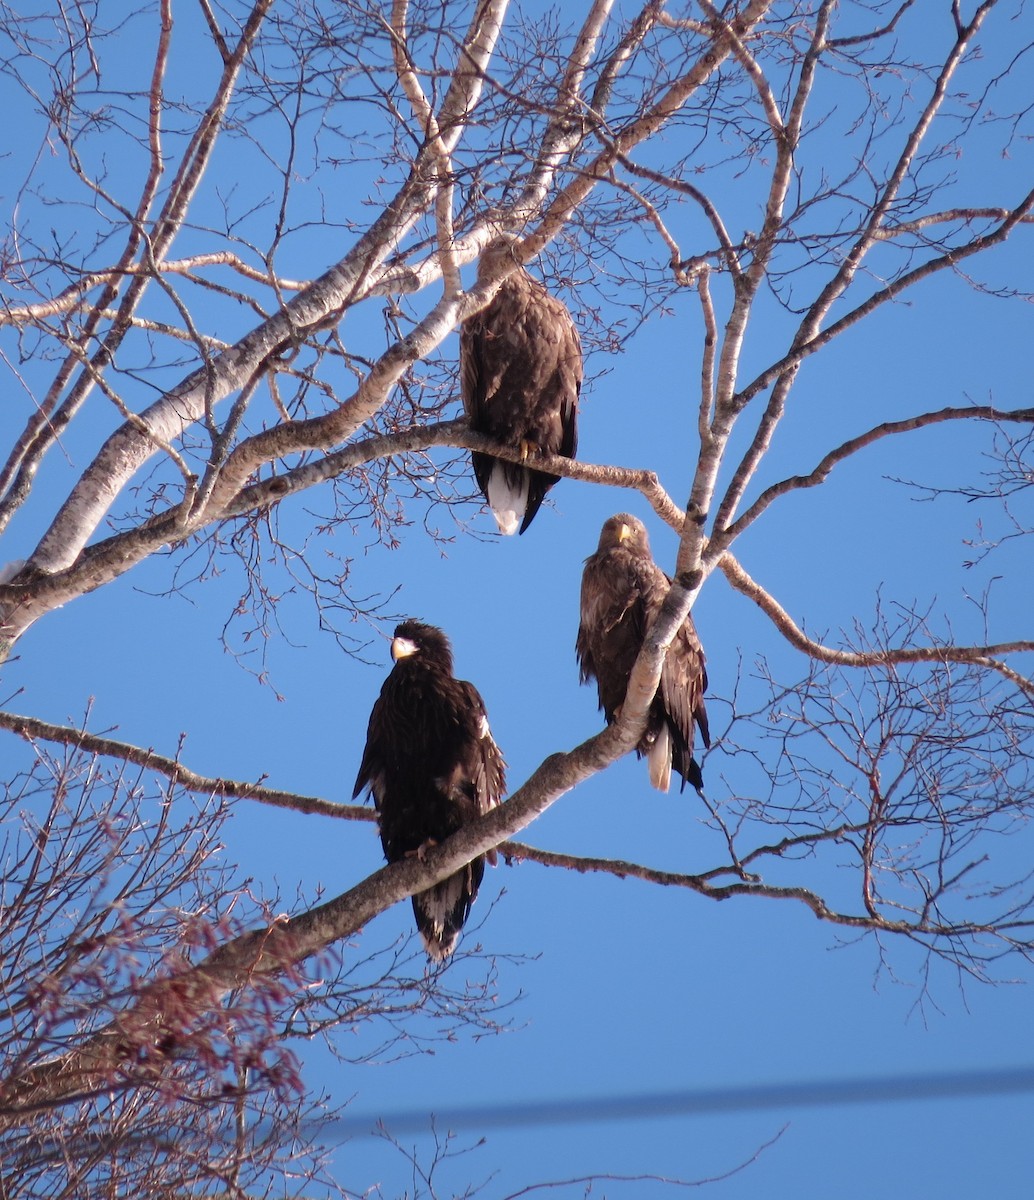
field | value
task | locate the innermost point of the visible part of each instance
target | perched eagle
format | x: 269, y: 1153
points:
x: 431, y: 766
x: 622, y: 593
x: 520, y: 374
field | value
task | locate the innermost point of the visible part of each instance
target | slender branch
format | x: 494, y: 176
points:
x: 705, y: 413
x: 877, y: 217
x: 949, y: 216
x: 90, y: 369
x: 71, y: 297
x: 431, y: 133
x: 808, y: 337
x: 31, y: 729
x: 728, y: 255
x: 655, y: 219
x: 863, y: 38
x: 787, y: 138
x: 949, y: 259
x: 822, y: 471
x: 703, y: 887
x: 982, y: 656
x: 642, y: 127
x: 44, y: 426
x: 564, y: 131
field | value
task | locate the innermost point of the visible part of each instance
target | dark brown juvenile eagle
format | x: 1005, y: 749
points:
x: 622, y: 593
x: 431, y: 766
x: 520, y: 374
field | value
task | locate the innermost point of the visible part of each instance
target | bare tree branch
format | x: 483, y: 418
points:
x: 30, y: 729
x: 983, y: 656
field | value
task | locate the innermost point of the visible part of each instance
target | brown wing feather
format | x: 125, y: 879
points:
x: 683, y: 676
x: 610, y: 634
x: 486, y: 766
x: 489, y: 766
x: 684, y: 682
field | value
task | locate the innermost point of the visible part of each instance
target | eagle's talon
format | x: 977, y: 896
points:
x: 422, y: 849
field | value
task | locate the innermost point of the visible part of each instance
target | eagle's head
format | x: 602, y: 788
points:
x: 623, y: 529
x: 425, y: 644
x: 501, y: 248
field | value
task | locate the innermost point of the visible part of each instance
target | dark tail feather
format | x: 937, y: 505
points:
x: 441, y: 911
x: 682, y: 759
x: 538, y: 484
x: 700, y: 716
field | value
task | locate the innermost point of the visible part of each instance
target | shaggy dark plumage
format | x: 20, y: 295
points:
x: 431, y: 766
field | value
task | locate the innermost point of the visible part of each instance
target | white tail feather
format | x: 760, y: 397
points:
x: 508, y: 503
x: 658, y: 760
x: 436, y: 948
x: 438, y: 906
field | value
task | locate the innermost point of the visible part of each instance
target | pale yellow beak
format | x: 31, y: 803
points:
x: 402, y: 648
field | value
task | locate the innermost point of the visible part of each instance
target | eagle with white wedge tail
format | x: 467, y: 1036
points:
x: 520, y: 375
x: 432, y: 767
x: 622, y: 593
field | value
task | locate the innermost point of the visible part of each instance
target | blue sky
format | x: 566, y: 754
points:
x: 623, y: 987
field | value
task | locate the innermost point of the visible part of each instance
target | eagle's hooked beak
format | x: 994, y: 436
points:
x: 402, y: 648
x: 624, y: 532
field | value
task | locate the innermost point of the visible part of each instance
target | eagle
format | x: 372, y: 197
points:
x: 520, y: 375
x: 431, y: 765
x: 622, y: 593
